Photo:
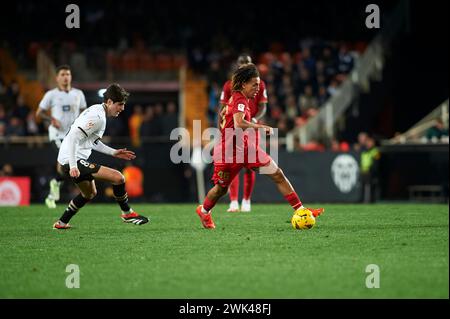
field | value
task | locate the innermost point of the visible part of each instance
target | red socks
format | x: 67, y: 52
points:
x: 249, y: 184
x: 234, y: 188
x: 208, y: 204
x: 293, y: 199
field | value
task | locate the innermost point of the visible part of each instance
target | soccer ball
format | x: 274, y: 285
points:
x: 303, y: 219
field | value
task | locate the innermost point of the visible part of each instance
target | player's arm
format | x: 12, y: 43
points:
x: 74, y: 137
x: 242, y: 123
x: 222, y: 111
x: 43, y: 111
x: 44, y: 116
x: 261, y: 112
x: 122, y: 153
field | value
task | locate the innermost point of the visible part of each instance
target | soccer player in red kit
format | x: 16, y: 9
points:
x: 245, y: 152
x: 258, y: 106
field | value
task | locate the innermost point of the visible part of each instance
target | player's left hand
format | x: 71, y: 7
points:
x: 125, y: 154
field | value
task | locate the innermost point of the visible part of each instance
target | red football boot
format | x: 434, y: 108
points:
x: 316, y: 211
x: 206, y: 219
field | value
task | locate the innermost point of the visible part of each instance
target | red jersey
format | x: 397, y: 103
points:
x: 232, y: 143
x: 261, y: 97
x: 236, y: 150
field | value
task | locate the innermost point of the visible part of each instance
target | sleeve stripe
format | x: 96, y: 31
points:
x: 83, y: 131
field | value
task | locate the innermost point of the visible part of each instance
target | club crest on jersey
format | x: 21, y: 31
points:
x: 241, y: 107
x: 89, y: 125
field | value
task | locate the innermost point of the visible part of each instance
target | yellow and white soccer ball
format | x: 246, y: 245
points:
x: 303, y: 219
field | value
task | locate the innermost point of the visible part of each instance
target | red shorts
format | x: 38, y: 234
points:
x: 224, y: 173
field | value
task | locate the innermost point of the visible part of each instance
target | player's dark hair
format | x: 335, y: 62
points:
x: 116, y: 93
x: 242, y: 75
x: 244, y: 59
x: 62, y: 67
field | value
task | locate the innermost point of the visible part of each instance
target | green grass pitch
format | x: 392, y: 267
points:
x: 248, y: 255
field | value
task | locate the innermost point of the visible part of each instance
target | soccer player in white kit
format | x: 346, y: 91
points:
x: 64, y: 103
x: 83, y: 137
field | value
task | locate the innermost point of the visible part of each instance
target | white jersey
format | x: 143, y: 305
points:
x: 65, y: 107
x: 92, y: 124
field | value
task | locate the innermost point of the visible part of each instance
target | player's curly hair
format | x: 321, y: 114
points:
x: 242, y: 75
x: 116, y: 93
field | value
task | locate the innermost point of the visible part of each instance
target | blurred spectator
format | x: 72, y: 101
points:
x: 437, y: 131
x: 307, y: 100
x: 2, y: 129
x: 15, y: 127
x: 3, y: 117
x: 332, y: 89
x: 360, y: 145
x: 369, y: 170
x: 345, y: 60
x: 7, y: 170
x: 282, y: 126
x: 213, y: 104
x: 13, y: 90
x: 323, y: 96
x: 148, y: 127
x: 339, y: 146
x: 291, y: 107
x: 134, y: 125
x: 158, y: 111
x: 170, y: 119
x: 312, y: 146
x: 135, y: 180
x: 31, y: 126
x: 20, y: 110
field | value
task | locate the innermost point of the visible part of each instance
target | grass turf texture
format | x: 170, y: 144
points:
x: 248, y: 255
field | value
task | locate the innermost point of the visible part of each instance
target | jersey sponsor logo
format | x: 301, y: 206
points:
x: 241, y: 107
x: 66, y: 108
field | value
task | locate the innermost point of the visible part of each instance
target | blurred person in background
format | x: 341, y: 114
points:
x: 2, y: 129
x: 169, y: 119
x: 437, y: 131
x: 7, y: 170
x: 360, y: 145
x: 370, y: 158
x: 134, y: 125
x: 307, y: 100
x: 60, y: 107
x: 15, y: 127
x: 3, y: 117
x: 135, y: 180
x: 258, y: 108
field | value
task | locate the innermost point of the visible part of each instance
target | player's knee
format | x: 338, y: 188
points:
x: 90, y: 195
x: 278, y: 176
x: 222, y: 190
x: 118, y: 178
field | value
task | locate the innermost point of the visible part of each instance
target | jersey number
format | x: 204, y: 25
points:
x: 84, y: 163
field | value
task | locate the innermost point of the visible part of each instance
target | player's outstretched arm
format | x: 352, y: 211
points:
x: 242, y: 123
x: 122, y: 153
x: 125, y: 154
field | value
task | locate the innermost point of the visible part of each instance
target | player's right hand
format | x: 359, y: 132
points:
x: 268, y: 130
x: 55, y: 123
x: 74, y: 172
